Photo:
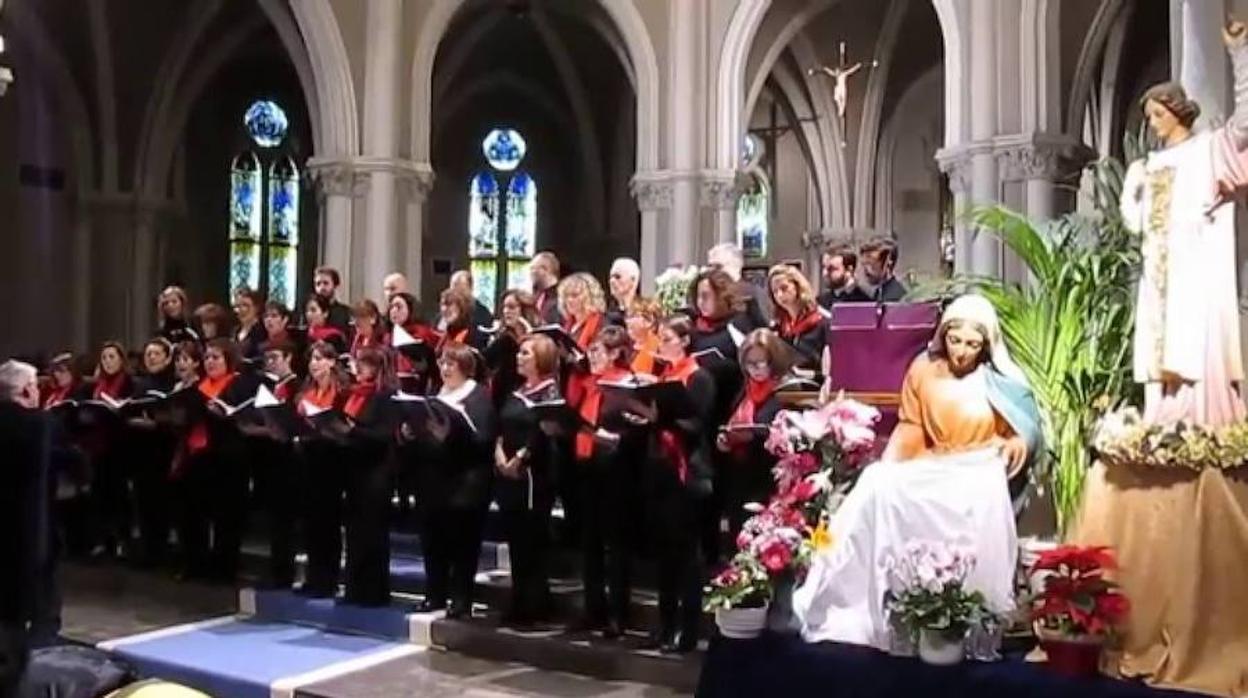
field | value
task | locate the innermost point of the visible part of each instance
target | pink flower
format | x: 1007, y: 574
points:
x: 776, y: 556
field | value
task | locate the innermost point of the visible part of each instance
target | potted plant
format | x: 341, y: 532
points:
x: 1076, y: 608
x: 929, y: 600
x: 739, y: 595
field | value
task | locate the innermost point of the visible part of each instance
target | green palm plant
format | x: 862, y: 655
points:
x: 1070, y: 327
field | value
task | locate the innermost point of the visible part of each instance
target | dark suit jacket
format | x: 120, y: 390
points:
x: 892, y: 291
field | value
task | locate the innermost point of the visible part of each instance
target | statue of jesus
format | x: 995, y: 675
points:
x: 1179, y: 200
x: 840, y: 76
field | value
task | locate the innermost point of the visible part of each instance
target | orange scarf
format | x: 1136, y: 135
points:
x: 644, y: 358
x: 589, y: 408
x: 360, y: 395
x: 585, y: 331
x: 323, y: 398
x: 211, y: 389
x: 756, y: 393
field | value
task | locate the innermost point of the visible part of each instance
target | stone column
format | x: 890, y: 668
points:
x: 336, y: 187
x: 985, y: 187
x: 414, y: 187
x: 384, y: 25
x: 80, y: 266
x: 956, y: 163
x: 720, y: 193
x: 1202, y: 66
x: 686, y: 105
x: 653, y: 192
x: 143, y: 262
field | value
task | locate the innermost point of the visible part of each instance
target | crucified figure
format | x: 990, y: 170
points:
x: 840, y: 76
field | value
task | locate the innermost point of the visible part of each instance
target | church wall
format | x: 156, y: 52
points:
x: 917, y: 125
x: 352, y: 17
x: 13, y: 233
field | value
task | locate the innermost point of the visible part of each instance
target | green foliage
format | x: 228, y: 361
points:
x: 948, y: 612
x: 1070, y: 329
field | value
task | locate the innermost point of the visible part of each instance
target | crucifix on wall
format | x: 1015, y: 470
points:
x: 840, y: 75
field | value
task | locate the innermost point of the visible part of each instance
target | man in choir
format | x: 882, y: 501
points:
x: 325, y: 282
x: 879, y: 259
x: 727, y: 256
x: 25, y: 510
x: 623, y: 282
x: 544, y: 272
x: 393, y: 284
x: 481, y: 315
x: 840, y: 285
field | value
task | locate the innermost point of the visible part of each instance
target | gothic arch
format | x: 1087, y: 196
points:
x: 335, y: 86
x: 627, y: 21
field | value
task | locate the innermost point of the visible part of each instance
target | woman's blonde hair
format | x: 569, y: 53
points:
x: 595, y: 299
x: 790, y: 273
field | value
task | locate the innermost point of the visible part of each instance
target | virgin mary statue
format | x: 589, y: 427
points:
x: 1178, y: 199
x: 967, y: 426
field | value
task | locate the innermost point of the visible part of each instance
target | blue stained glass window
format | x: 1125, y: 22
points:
x: 283, y: 236
x: 753, y: 219
x: 521, y: 216
x: 504, y: 148
x: 244, y: 222
x: 266, y: 123
x: 483, y: 216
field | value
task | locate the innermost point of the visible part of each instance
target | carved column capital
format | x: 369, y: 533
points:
x: 1039, y: 156
x: 336, y: 178
x: 956, y: 164
x: 721, y: 190
x: 652, y: 190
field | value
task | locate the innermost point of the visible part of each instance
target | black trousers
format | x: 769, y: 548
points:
x: 276, y: 493
x: 451, y: 541
x: 322, y: 516
x: 212, y: 503
x: 527, y: 528
x: 743, y: 481
x: 14, y: 655
x: 152, y: 493
x: 607, y: 519
x: 369, y: 482
x: 676, y: 523
x: 110, y: 496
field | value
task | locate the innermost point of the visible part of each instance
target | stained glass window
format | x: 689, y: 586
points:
x: 752, y: 218
x: 502, y: 218
x: 245, y: 193
x: 264, y: 209
x: 283, y: 235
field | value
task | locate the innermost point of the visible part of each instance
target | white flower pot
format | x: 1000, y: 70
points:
x: 741, y: 623
x: 939, y: 650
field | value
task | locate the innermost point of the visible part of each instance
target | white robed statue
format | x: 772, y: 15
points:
x: 1178, y: 199
x: 968, y: 425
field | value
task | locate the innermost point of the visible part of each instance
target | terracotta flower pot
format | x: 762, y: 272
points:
x: 741, y: 623
x: 1072, y: 655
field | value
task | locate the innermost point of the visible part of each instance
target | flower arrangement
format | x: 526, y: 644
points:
x: 744, y: 583
x: 671, y: 288
x: 1075, y: 598
x: 820, y: 452
x: 1124, y: 438
x: 926, y: 589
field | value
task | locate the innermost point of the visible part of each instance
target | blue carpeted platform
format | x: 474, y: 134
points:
x: 390, y: 622
x: 244, y: 658
x: 786, y: 666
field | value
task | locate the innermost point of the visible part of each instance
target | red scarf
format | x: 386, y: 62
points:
x: 756, y: 393
x: 584, y: 331
x: 669, y: 440
x: 112, y: 386
x: 359, y: 396
x: 210, y: 388
x: 707, y: 325
x: 56, y: 395
x: 279, y: 336
x: 284, y: 388
x: 325, y: 333
x: 323, y: 398
x: 790, y: 329
x: 589, y: 408
x: 362, y: 340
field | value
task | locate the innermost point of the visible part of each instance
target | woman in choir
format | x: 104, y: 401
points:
x: 678, y: 484
x: 582, y: 306
x: 316, y: 313
x: 524, y: 468
x: 369, y: 478
x: 250, y: 335
x: 370, y: 331
x: 414, y: 377
x: 456, y: 306
x: 153, y: 445
x: 213, y: 322
x: 453, y: 474
x: 320, y: 454
x: 798, y: 319
x: 277, y: 328
x: 745, y: 464
x: 65, y: 383
x: 175, y: 316
x: 641, y: 319
x: 607, y: 456
x: 108, y: 447
x: 517, y: 315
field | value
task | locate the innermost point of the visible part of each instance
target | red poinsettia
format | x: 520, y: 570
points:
x: 1075, y: 596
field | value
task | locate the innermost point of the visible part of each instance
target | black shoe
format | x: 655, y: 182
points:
x: 682, y: 643
x: 612, y: 630
x: 659, y: 638
x: 429, y: 606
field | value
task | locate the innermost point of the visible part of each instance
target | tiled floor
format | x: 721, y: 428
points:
x: 109, y: 602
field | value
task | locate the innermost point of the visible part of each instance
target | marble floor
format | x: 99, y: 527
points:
x: 107, y: 602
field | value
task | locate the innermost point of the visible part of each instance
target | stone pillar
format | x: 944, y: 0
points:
x: 985, y: 187
x: 81, y: 270
x: 686, y: 105
x: 654, y: 194
x: 142, y: 300
x: 414, y: 187
x: 956, y: 163
x: 1202, y: 67
x: 336, y: 187
x: 384, y: 25
x: 720, y: 193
